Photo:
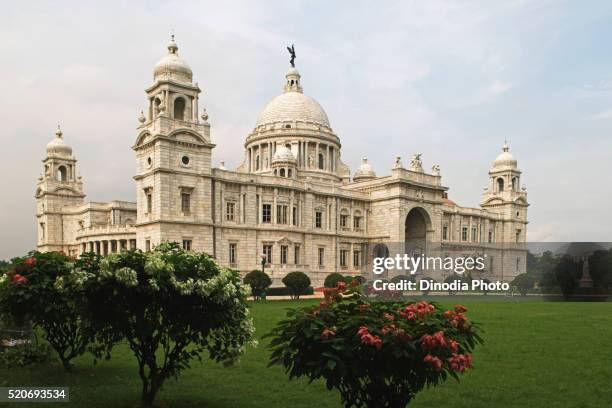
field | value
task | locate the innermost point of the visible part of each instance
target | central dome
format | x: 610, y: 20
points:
x: 172, y: 66
x: 293, y: 106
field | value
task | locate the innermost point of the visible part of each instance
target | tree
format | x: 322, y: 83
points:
x: 297, y: 282
x: 29, y: 292
x: 524, y: 283
x: 376, y: 354
x: 331, y: 281
x: 170, y: 306
x: 457, y: 277
x: 259, y: 281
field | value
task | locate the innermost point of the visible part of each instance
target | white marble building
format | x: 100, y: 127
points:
x: 292, y: 199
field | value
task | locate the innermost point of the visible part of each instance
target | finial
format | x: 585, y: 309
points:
x: 505, y: 147
x: 364, y: 160
x: 58, y: 132
x: 222, y: 165
x: 172, y: 47
x: 204, y: 115
x: 141, y: 117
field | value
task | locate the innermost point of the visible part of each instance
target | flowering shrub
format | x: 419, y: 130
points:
x: 377, y: 354
x: 169, y: 305
x: 28, y: 290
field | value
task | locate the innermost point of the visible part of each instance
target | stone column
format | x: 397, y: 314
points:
x: 316, y: 158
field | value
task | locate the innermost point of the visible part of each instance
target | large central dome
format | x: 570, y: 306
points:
x: 293, y: 105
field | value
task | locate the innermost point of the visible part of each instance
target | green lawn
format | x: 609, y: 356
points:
x: 537, y: 354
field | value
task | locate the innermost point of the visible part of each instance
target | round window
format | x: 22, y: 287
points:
x: 185, y: 160
x: 149, y: 161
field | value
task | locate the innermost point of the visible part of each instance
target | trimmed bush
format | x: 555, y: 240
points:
x: 259, y: 281
x: 297, y: 282
x: 284, y: 291
x: 376, y: 354
x: 331, y: 281
x: 28, y: 292
x: 524, y: 283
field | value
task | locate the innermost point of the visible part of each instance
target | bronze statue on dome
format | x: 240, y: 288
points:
x: 292, y: 53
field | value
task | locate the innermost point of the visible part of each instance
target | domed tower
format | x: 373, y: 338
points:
x: 364, y: 172
x: 506, y: 196
x: 58, y: 187
x: 297, y: 122
x: 173, y: 155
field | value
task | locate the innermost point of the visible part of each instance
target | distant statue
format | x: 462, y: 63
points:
x: 398, y: 162
x: 310, y: 161
x: 416, y: 164
x: 435, y: 170
x: 292, y: 53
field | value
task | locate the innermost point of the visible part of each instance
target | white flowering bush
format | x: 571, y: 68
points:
x: 169, y: 305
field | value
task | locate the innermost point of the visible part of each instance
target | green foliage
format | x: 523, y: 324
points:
x: 297, y: 283
x: 259, y: 281
x: 376, y: 354
x: 284, y: 291
x: 21, y: 356
x: 28, y: 291
x: 456, y: 276
x: 524, y: 282
x: 331, y: 281
x: 170, y: 306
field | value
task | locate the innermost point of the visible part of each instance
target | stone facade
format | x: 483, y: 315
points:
x: 292, y: 199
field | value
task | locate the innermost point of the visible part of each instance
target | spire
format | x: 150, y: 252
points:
x: 59, y: 132
x: 505, y: 147
x: 172, y: 47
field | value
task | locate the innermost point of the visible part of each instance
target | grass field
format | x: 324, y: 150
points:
x: 537, y: 354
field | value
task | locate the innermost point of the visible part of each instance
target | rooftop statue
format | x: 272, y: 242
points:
x: 292, y: 53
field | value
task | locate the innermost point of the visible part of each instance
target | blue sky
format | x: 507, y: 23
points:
x: 450, y: 80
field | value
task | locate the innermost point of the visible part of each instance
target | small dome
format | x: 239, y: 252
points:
x: 283, y: 154
x: 172, y: 66
x: 505, y: 158
x: 364, y: 172
x: 57, y: 145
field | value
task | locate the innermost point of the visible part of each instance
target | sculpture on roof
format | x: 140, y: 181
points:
x: 416, y: 164
x: 292, y: 53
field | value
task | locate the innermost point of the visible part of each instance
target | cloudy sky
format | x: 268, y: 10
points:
x: 450, y: 80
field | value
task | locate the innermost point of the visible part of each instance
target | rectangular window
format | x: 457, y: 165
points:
x: 318, y: 219
x: 267, y: 251
x: 344, y: 258
x: 283, y: 254
x: 321, y: 256
x: 281, y: 214
x: 445, y: 232
x: 464, y: 233
x: 356, y: 258
x: 518, y: 235
x: 357, y: 223
x: 149, y: 203
x: 296, y: 255
x: 232, y: 254
x: 266, y: 215
x: 295, y: 216
x: 148, y: 245
x: 185, y: 202
x: 187, y: 244
x: 343, y: 220
x: 490, y: 236
x: 230, y: 211
x: 474, y: 234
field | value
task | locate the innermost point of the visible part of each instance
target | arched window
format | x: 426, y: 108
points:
x: 514, y: 184
x: 321, y: 161
x: 282, y: 172
x: 157, y: 104
x: 500, y: 184
x: 256, y: 163
x: 289, y: 173
x: 61, y: 173
x: 179, y: 109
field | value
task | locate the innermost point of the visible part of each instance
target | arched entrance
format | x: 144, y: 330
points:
x: 416, y: 228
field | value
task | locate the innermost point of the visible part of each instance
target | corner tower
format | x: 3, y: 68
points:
x: 505, y: 196
x: 173, y: 160
x: 58, y: 188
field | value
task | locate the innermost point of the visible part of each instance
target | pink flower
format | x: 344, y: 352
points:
x: 389, y: 317
x: 341, y: 286
x: 328, y: 332
x: 433, y: 362
x: 460, y: 362
x: 460, y: 309
x: 30, y: 261
x: 17, y: 278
